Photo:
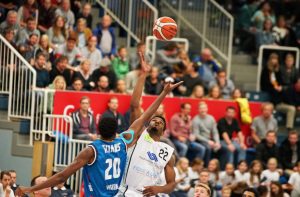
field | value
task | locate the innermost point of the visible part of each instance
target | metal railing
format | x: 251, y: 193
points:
x: 135, y: 17
x: 274, y: 48
x: 206, y: 21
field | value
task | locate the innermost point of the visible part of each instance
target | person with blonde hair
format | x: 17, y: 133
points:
x: 182, y: 178
x: 198, y: 92
x: 57, y: 32
x: 215, y: 93
x: 271, y: 173
x: 83, y: 33
x: 202, y: 190
x: 58, y: 84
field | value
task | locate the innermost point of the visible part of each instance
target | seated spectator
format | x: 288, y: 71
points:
x: 46, y: 16
x: 250, y: 192
x: 83, y: 33
x: 209, y: 66
x: 206, y: 132
x: 265, y: 36
x: 227, y: 177
x: 226, y: 85
x: 13, y: 181
x: 77, y: 85
x: 182, y: 178
x: 102, y: 85
x: 190, y: 80
x: 11, y: 22
x: 242, y: 174
x: 28, y: 48
x: 294, y: 182
x: 28, y: 10
x: 263, y: 191
x: 106, y: 70
x: 57, y: 32
x: 134, y: 59
x: 106, y: 37
x: 42, y: 75
x: 263, y: 123
x: 120, y: 63
x: 25, y: 33
x: 65, y: 11
x: 198, y: 92
x: 271, y: 173
x: 267, y: 148
x: 214, y: 170
x: 9, y: 35
x: 202, y: 190
x: 204, y: 179
x: 281, y: 32
x: 85, y: 13
x: 121, y: 87
x: 84, y: 127
x: 112, y: 112
x: 181, y: 134
x: 226, y: 192
x: 44, y: 47
x: 289, y: 73
x: 195, y: 169
x: 61, y: 190
x: 236, y: 93
x: 255, y: 171
x: 61, y: 69
x: 166, y: 57
x: 277, y: 190
x: 59, y: 84
x: 264, y: 13
x: 70, y: 50
x: 153, y: 84
x: 84, y: 74
x: 215, y: 93
x: 5, y: 178
x: 91, y: 53
x: 131, y: 78
x: 184, y: 57
x: 40, y: 193
x: 289, y: 151
x: 291, y: 95
x: 228, y: 127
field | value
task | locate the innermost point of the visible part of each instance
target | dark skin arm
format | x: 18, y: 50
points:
x: 84, y: 157
x: 170, y: 179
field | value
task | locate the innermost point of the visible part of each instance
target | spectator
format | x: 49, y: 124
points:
x: 190, y: 80
x: 84, y: 127
x: 65, y: 11
x: 182, y: 178
x: 198, y: 92
x: 153, y: 85
x: 131, y: 78
x: 46, y: 16
x: 11, y: 21
x: 236, y: 93
x: 226, y: 85
x: 227, y: 127
x: 263, y: 123
x: 203, y: 179
x: 271, y: 173
x: 263, y: 191
x: 289, y: 73
x: 120, y: 63
x: 25, y: 33
x: 184, y: 56
x: 70, y: 50
x: 112, y: 112
x: 264, y: 13
x: 77, y: 85
x: 277, y: 190
x: 121, y: 87
x: 209, y: 66
x: 255, y: 171
x: 294, y: 182
x: 289, y: 151
x: 59, y: 84
x: 194, y: 171
x: 105, y: 69
x: 28, y: 48
x: 57, y: 33
x: 205, y: 131
x: 85, y: 13
x: 265, y: 36
x: 44, y: 47
x: 267, y: 148
x: 83, y: 33
x: 9, y: 35
x: 226, y: 192
x: 84, y: 75
x: 102, y: 84
x: 250, y: 192
x: 61, y: 190
x: 40, y: 193
x: 202, y: 190
x: 281, y: 32
x: 134, y: 57
x: 91, y: 53
x: 180, y: 128
x: 61, y: 68
x: 28, y: 10
x: 42, y: 75
x: 291, y: 95
x: 227, y: 177
x: 215, y: 93
x: 13, y: 181
x: 106, y: 37
x: 214, y: 170
x: 5, y: 181
x: 242, y: 174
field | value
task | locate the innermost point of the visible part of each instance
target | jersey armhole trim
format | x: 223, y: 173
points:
x: 95, y: 155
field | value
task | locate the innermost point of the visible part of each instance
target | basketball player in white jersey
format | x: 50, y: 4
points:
x: 149, y: 158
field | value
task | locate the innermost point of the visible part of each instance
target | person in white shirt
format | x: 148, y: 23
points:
x: 196, y: 167
x: 5, y: 178
x: 255, y: 170
x: 270, y: 174
x: 91, y: 53
x: 227, y: 177
x: 242, y: 174
x: 181, y: 178
x: 277, y: 190
x: 294, y: 182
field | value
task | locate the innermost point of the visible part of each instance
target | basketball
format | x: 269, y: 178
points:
x: 164, y: 28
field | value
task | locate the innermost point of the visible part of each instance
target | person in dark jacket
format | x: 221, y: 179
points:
x: 153, y: 84
x: 289, y: 151
x: 267, y: 148
x: 84, y: 127
x: 42, y: 75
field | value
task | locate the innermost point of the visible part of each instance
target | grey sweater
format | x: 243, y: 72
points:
x: 205, y: 129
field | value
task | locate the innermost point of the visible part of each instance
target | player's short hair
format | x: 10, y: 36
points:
x: 107, y: 127
x: 163, y: 119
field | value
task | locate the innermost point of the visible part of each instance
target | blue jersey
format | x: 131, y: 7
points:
x: 103, y: 176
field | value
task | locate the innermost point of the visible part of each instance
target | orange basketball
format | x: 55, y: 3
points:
x: 165, y: 28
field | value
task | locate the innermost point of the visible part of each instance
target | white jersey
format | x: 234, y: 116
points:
x: 145, y: 165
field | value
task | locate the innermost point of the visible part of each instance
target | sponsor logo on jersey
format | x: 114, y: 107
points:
x: 152, y: 156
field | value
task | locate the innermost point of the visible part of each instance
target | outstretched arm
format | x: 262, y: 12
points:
x: 86, y: 156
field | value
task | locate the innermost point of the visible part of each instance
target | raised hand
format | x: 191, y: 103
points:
x: 144, y: 65
x: 170, y: 87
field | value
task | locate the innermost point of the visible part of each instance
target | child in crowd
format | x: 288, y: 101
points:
x: 271, y: 173
x: 182, y: 178
x: 227, y: 177
x: 241, y: 174
x: 255, y: 173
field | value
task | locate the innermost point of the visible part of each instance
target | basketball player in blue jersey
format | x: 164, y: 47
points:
x: 104, y: 160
